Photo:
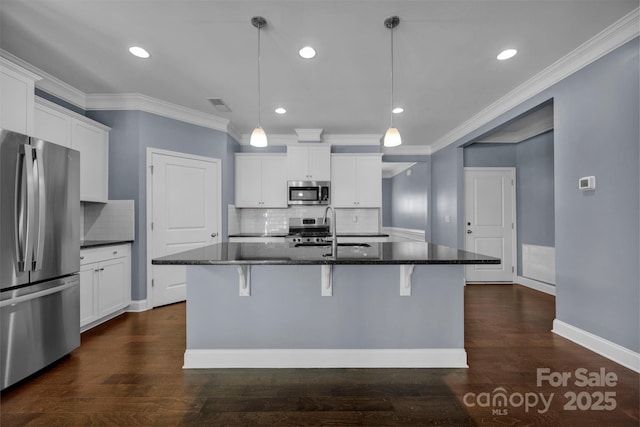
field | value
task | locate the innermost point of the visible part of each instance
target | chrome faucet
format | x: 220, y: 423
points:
x: 334, y: 239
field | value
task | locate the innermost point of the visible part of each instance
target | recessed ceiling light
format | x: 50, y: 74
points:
x: 397, y: 110
x: 139, y: 52
x: 506, y: 54
x: 307, y: 52
x: 280, y: 110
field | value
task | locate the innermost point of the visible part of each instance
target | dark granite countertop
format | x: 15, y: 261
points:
x: 285, y: 234
x: 363, y: 235
x: 284, y: 254
x: 258, y: 235
x: 85, y: 244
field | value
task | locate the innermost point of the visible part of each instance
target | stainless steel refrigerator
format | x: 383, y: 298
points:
x: 39, y: 254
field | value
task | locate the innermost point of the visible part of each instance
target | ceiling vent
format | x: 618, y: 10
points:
x: 220, y: 105
x: 309, y: 135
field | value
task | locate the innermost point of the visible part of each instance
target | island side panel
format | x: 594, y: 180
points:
x: 286, y: 311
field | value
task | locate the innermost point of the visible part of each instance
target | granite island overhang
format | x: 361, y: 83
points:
x: 274, y: 305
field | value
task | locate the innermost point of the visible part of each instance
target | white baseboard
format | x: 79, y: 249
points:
x: 608, y: 349
x: 538, y: 286
x: 326, y: 358
x: 101, y: 320
x: 137, y: 306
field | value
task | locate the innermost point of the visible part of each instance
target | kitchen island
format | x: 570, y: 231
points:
x: 285, y: 305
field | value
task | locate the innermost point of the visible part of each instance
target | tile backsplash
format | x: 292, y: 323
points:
x: 113, y: 220
x: 267, y: 221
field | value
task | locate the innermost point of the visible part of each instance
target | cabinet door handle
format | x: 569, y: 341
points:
x: 115, y: 252
x: 81, y: 257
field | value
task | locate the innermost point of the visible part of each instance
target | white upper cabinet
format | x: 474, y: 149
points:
x: 92, y: 142
x: 261, y: 180
x: 17, y: 87
x: 51, y: 124
x: 61, y: 126
x: 356, y: 181
x: 309, y: 163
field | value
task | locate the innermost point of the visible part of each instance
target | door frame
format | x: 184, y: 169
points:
x: 514, y: 212
x: 149, y: 188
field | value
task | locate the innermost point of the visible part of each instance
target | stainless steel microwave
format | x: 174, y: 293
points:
x: 308, y: 192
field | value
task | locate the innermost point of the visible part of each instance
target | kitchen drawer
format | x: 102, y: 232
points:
x: 105, y: 253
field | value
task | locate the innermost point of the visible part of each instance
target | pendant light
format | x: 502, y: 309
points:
x: 258, y: 136
x: 392, y: 136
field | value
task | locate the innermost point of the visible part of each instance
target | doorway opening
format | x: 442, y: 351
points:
x: 526, y: 144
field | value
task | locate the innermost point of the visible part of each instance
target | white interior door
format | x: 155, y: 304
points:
x: 490, y: 222
x: 185, y: 215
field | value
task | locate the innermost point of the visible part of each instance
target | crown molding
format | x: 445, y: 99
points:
x: 625, y: 29
x: 49, y: 83
x: 233, y: 132
x: 272, y: 138
x: 67, y: 112
x: 352, y: 139
x: 137, y: 101
x: 327, y: 139
x: 18, y: 69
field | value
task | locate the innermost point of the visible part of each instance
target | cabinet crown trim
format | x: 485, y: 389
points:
x: 61, y: 109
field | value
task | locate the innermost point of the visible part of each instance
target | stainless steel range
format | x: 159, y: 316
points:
x: 308, y: 230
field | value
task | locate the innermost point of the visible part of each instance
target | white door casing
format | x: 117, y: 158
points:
x: 183, y: 213
x: 490, y: 222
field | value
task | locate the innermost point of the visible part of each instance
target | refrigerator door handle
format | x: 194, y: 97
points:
x: 39, y: 294
x: 24, y: 200
x: 38, y: 173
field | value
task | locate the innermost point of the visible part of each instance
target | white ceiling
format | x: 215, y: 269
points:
x: 445, y: 66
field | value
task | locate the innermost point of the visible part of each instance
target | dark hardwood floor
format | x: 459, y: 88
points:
x: 129, y: 372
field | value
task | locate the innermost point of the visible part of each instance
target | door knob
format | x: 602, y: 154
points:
x: 469, y: 231
x: 214, y: 234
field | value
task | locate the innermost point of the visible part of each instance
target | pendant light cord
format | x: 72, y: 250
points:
x: 391, y: 78
x: 259, y: 122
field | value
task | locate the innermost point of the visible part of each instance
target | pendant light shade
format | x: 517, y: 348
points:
x: 392, y: 136
x: 258, y: 136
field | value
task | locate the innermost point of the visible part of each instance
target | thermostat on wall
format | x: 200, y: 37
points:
x: 587, y: 183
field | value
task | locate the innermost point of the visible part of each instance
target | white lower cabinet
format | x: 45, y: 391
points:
x: 105, y: 283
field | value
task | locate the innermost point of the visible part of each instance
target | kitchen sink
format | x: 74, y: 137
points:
x: 314, y: 244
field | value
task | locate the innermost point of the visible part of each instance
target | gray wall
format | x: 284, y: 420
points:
x: 132, y: 132
x: 597, y: 233
x: 533, y: 160
x: 387, y: 212
x: 286, y: 309
x: 406, y: 199
x: 490, y: 155
x: 446, y: 183
x: 535, y: 183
